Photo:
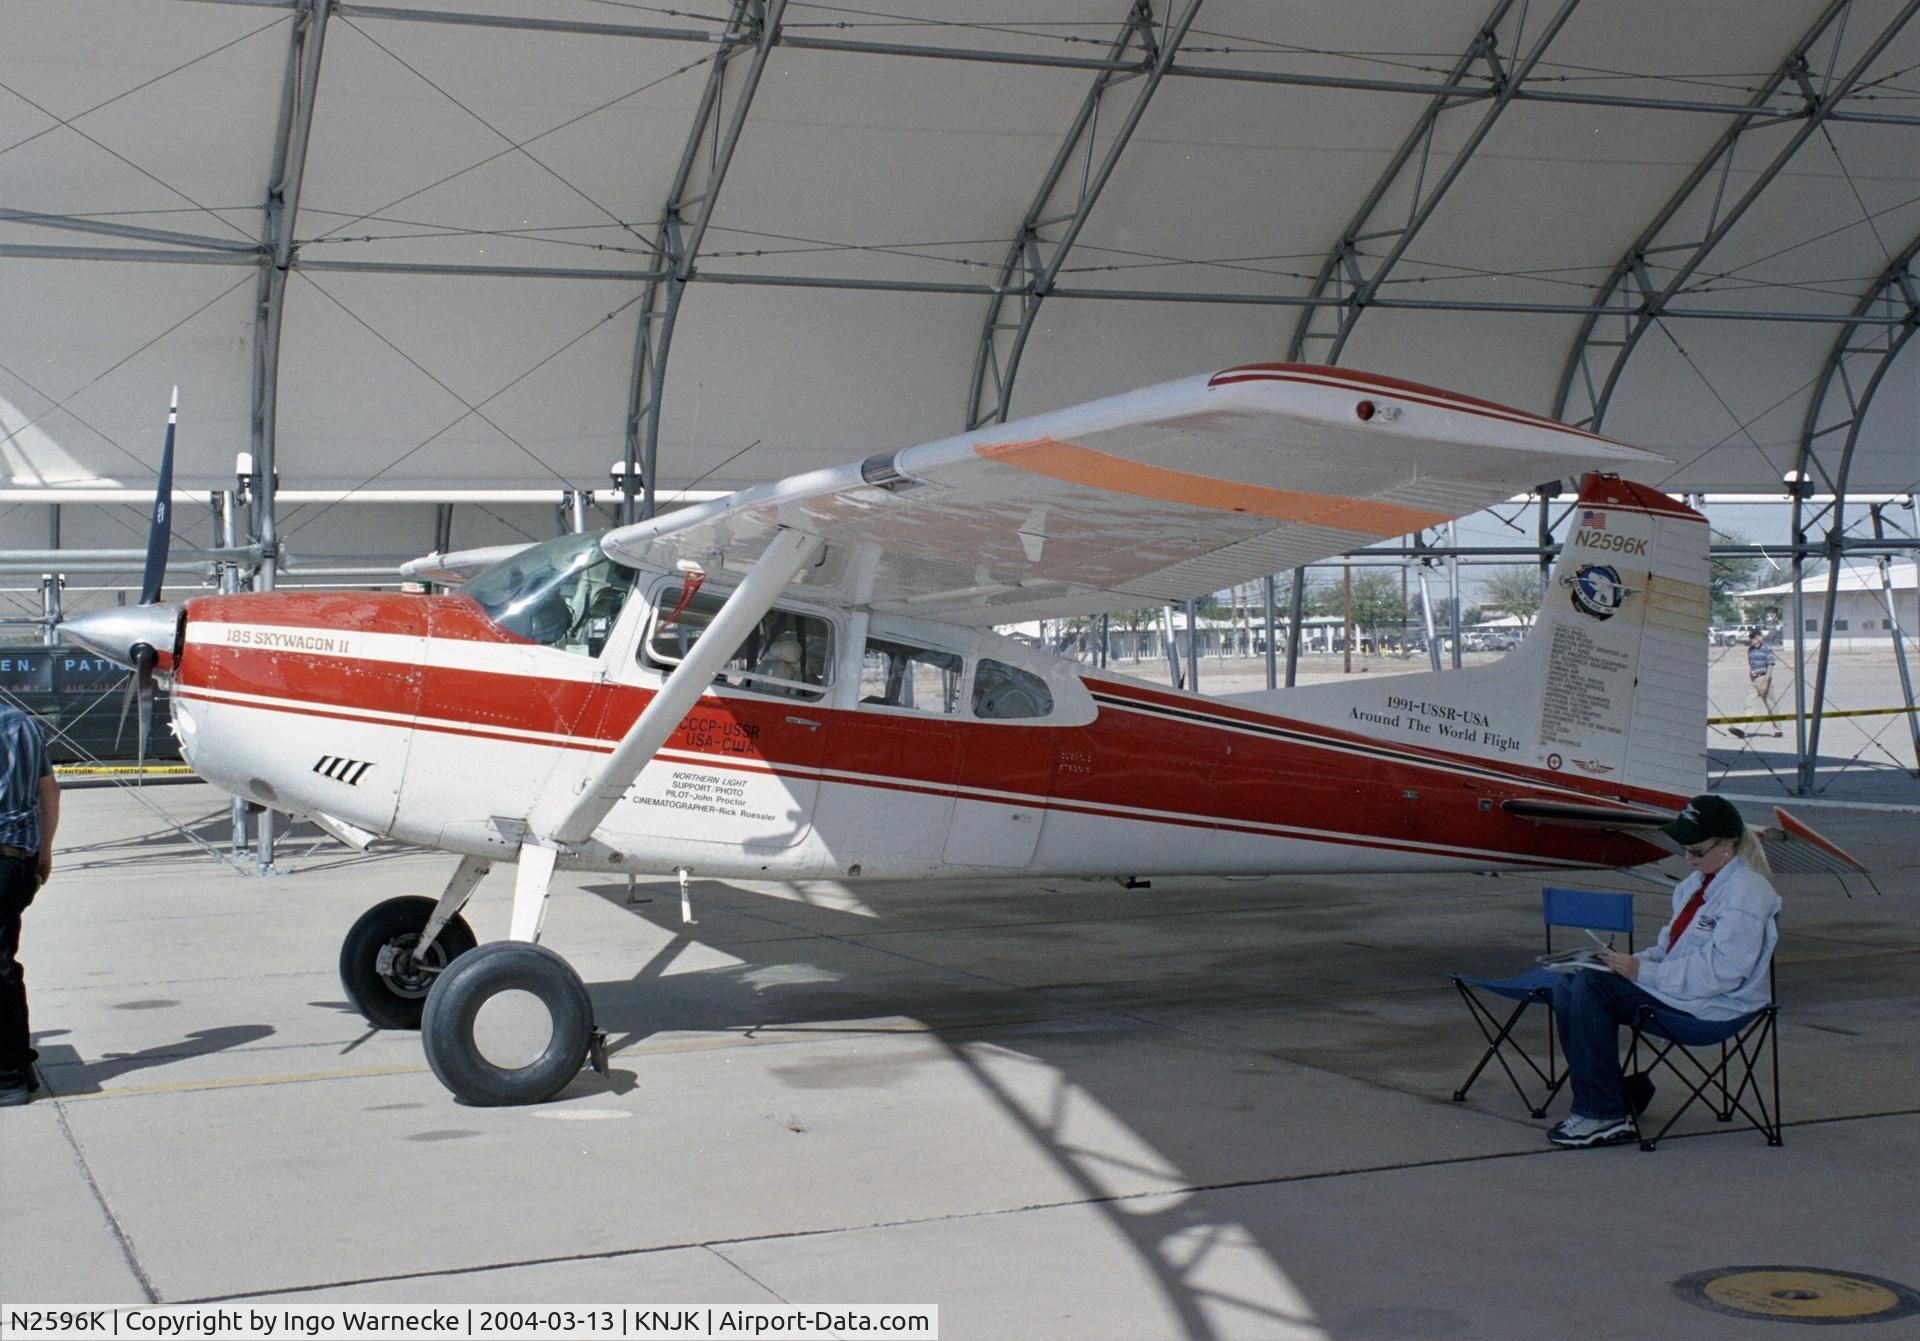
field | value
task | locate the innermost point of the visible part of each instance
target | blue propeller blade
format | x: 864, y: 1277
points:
x: 160, y: 533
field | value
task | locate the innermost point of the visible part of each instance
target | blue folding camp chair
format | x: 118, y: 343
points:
x: 1558, y: 908
x: 1731, y: 1085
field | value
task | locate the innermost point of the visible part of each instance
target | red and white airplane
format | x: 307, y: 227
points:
x: 802, y: 681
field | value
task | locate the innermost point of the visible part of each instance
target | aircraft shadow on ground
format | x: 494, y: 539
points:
x: 995, y: 1029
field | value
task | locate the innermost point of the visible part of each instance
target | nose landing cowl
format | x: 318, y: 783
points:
x: 115, y: 634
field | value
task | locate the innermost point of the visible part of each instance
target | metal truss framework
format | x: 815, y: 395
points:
x: 1631, y: 300
x: 1143, y: 54
x: 1855, y: 367
x: 1027, y: 275
x: 282, y: 208
x: 1344, y: 274
x: 754, y: 26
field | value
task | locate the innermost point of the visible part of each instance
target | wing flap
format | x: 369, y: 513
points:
x: 1160, y: 494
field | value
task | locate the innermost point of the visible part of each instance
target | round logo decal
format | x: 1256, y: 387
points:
x: 1554, y: 761
x: 1596, y: 590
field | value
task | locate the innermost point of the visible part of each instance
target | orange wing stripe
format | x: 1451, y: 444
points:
x: 1098, y: 470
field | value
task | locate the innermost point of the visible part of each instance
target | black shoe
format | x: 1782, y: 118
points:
x: 14, y: 1093
x: 1638, y: 1089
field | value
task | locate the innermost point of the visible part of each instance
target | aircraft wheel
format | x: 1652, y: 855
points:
x: 508, y: 1024
x: 382, y: 978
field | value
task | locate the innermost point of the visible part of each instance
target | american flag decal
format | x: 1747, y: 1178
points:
x: 1593, y: 519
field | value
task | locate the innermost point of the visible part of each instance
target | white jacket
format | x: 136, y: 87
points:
x: 1717, y: 970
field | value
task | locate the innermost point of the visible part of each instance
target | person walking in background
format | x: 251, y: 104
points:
x: 29, y: 814
x: 1760, y: 661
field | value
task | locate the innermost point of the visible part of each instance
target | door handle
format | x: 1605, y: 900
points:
x: 807, y: 722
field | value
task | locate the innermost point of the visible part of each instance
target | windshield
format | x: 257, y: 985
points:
x: 563, y: 593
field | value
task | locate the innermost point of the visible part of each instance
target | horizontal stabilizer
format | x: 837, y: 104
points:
x: 1795, y: 849
x: 1585, y: 816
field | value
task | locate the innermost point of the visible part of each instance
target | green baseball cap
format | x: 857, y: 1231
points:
x: 1702, y: 818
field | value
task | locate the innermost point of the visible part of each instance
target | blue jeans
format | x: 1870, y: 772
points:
x: 1588, y: 1009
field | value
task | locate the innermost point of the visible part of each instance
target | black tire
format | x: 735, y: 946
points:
x: 447, y: 1031
x: 395, y: 999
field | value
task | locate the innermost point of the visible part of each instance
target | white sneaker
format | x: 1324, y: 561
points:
x: 1578, y: 1131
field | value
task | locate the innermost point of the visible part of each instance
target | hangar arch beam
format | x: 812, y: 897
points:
x: 1632, y: 296
x: 276, y: 257
x: 1344, y: 275
x: 1033, y: 260
x: 754, y: 26
x: 1856, y: 366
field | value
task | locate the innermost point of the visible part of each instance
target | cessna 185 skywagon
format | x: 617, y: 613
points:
x: 802, y: 681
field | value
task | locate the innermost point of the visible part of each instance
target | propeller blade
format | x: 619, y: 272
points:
x: 126, y: 706
x: 144, y: 659
x: 160, y: 532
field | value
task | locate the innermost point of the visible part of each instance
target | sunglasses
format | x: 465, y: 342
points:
x: 1702, y: 849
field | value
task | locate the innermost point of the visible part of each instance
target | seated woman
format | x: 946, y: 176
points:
x: 1710, y: 962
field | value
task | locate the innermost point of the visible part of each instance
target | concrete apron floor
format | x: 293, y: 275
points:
x: 1050, y: 1107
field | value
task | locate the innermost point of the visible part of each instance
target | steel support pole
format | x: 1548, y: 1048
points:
x: 226, y: 509
x: 1193, y: 646
x: 1899, y: 640
x: 1296, y: 607
x: 1346, y: 618
x: 50, y: 583
x: 1453, y: 591
x: 50, y: 609
x: 1802, y: 764
x: 1273, y: 652
x: 1426, y: 612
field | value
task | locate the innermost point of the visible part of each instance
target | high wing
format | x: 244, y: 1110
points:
x: 1153, y: 496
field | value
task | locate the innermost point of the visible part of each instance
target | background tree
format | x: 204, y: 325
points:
x: 1514, y: 590
x: 1728, y: 576
x: 1374, y: 604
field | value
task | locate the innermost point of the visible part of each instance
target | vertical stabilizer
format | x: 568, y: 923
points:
x: 1607, y: 693
x: 1623, y: 696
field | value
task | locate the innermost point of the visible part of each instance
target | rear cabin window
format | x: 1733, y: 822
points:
x: 788, y: 654
x: 563, y: 594
x: 900, y: 675
x: 1007, y: 693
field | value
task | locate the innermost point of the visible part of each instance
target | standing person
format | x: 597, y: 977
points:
x: 29, y: 814
x: 1760, y: 674
x: 1710, y: 962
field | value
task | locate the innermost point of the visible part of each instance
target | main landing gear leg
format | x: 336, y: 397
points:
x: 391, y: 956
x: 493, y: 1051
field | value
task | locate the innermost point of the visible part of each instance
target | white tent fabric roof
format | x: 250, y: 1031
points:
x: 483, y: 185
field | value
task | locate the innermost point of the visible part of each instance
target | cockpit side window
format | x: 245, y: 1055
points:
x: 1007, y: 693
x: 564, y: 594
x: 788, y: 654
x: 900, y: 675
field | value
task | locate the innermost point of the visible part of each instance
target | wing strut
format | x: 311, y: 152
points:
x: 786, y: 556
